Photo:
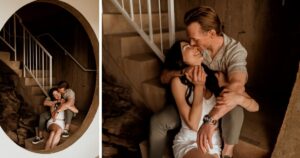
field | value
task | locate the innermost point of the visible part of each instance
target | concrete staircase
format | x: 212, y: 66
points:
x: 132, y: 63
x: 26, y: 86
x: 129, y: 59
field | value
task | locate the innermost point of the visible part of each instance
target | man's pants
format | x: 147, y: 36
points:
x: 168, y: 119
x: 45, y: 116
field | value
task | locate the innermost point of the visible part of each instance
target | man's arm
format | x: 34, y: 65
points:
x: 167, y: 75
x: 48, y: 102
x: 236, y: 82
x: 64, y: 106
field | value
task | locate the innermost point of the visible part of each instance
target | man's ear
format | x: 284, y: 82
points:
x: 212, y: 33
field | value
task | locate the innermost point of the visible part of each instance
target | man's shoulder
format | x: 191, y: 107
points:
x: 232, y: 45
x: 69, y: 92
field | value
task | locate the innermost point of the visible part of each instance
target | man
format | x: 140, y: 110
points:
x: 66, y: 103
x: 69, y: 95
x: 220, y: 53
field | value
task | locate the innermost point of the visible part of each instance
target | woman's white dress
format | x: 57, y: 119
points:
x: 60, y: 120
x: 185, y: 140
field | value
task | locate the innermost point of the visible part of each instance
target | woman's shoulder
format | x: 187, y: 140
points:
x: 177, y: 81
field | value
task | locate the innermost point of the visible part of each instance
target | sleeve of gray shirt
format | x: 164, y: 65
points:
x: 69, y: 94
x: 237, y: 60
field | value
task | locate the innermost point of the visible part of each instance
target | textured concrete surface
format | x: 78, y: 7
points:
x: 288, y: 141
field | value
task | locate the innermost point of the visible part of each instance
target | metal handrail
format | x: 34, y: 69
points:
x: 35, y: 58
x: 6, y: 30
x: 66, y: 52
x: 139, y: 27
x: 37, y: 61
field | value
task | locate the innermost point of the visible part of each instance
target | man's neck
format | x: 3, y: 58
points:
x: 216, y: 46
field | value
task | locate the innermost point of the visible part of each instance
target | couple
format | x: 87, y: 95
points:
x: 200, y: 105
x: 61, y: 101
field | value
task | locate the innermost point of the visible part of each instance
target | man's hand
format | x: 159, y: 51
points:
x: 204, y: 137
x: 228, y: 100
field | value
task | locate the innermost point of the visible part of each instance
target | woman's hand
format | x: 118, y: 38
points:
x: 196, y: 75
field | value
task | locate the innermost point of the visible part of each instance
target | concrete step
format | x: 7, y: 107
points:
x: 141, y: 67
x: 75, y: 125
x: 256, y: 136
x: 116, y: 23
x: 245, y: 149
x: 38, y: 73
x: 4, y: 55
x: 154, y: 94
x: 108, y: 7
x: 37, y: 103
x: 13, y: 65
x: 36, y: 90
x: 123, y: 45
x: 29, y: 81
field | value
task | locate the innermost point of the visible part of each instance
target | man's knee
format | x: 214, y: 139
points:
x: 235, y: 116
x: 68, y: 116
x: 167, y: 119
x: 232, y: 124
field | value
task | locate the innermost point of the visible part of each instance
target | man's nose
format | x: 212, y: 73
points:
x: 192, y: 43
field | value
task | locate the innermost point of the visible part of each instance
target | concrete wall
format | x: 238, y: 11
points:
x: 88, y: 14
x: 288, y: 145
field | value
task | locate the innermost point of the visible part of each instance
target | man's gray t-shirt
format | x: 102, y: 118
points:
x: 231, y: 57
x: 69, y: 93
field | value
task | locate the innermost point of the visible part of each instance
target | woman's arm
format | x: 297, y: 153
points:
x: 190, y: 114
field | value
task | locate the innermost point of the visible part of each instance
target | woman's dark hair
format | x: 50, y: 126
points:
x: 50, y: 93
x: 174, y: 61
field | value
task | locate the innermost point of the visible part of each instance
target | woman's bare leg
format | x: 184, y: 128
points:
x: 49, y: 140
x: 195, y: 153
x: 56, y: 138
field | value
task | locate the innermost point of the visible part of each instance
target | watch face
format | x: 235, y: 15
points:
x: 206, y: 119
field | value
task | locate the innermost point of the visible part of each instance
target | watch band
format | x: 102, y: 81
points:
x: 209, y: 120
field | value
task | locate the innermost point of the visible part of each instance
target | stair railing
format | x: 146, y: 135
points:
x: 37, y: 61
x: 8, y: 35
x: 66, y: 52
x: 138, y: 26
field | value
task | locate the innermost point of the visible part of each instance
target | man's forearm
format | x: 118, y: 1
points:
x: 167, y: 75
x: 217, y: 113
x: 237, y: 84
x: 65, y: 106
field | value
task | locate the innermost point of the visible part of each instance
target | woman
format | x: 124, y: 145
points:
x: 194, y: 99
x: 57, y: 123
